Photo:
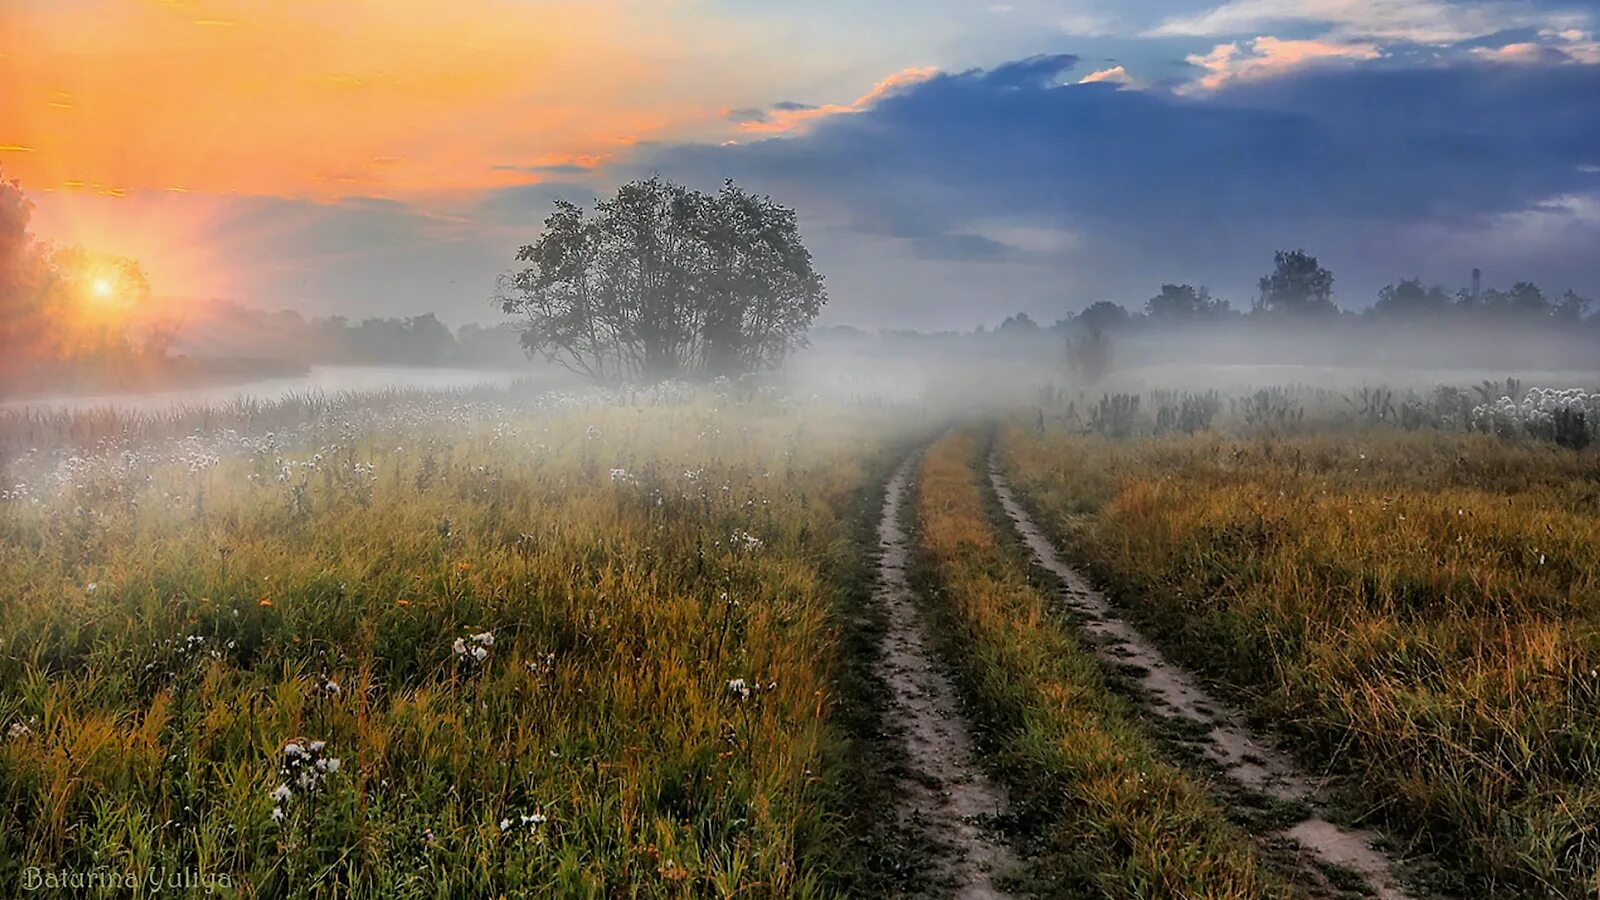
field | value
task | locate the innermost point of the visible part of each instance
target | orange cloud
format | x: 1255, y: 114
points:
x: 1113, y: 75
x: 1570, y: 45
x: 1526, y: 52
x: 308, y: 98
x: 1268, y: 56
x: 787, y: 120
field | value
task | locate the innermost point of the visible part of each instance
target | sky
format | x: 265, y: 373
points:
x: 951, y: 162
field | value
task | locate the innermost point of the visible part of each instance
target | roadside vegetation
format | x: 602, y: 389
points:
x: 1413, y: 609
x: 446, y: 648
x: 627, y: 641
x: 1109, y: 817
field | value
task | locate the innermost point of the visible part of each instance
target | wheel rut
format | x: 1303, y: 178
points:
x: 941, y: 793
x: 1243, y: 756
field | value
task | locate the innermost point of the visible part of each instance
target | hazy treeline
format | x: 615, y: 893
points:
x: 73, y: 319
x: 1300, y: 288
x: 1293, y: 319
x: 231, y: 329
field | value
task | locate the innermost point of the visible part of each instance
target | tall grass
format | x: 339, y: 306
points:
x: 650, y: 717
x: 1417, y: 610
x: 1116, y: 821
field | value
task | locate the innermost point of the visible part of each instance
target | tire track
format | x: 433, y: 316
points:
x: 1243, y: 756
x: 942, y: 794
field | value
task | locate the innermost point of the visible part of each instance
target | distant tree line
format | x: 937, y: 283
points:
x: 1300, y: 289
x: 71, y: 318
x: 234, y: 329
x: 417, y: 340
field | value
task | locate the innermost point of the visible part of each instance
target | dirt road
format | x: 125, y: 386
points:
x: 1243, y: 756
x: 942, y: 795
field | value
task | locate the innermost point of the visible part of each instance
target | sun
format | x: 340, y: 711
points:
x: 98, y: 289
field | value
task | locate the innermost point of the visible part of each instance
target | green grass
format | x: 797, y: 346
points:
x: 1416, y: 610
x: 164, y: 633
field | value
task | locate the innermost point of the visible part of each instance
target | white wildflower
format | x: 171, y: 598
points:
x: 522, y: 822
x: 474, y: 649
x: 304, y: 768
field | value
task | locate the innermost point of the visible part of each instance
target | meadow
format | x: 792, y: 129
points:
x: 522, y: 643
x: 1107, y: 815
x: 430, y: 646
x: 1412, y: 607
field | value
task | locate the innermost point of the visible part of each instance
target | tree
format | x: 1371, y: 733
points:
x: 1572, y: 307
x: 1183, y: 303
x: 496, y: 345
x: 1524, y: 300
x: 24, y: 277
x: 428, y: 340
x: 1021, y: 323
x: 1409, y: 299
x: 1298, y: 285
x: 1102, y: 316
x: 663, y: 281
x: 62, y: 304
x: 1089, y: 339
x: 88, y: 302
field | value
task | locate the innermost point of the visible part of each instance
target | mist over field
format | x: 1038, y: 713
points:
x: 1019, y: 450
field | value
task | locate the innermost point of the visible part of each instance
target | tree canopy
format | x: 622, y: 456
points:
x: 1410, y: 298
x: 662, y: 281
x: 1298, y: 284
x: 1184, y: 302
x: 23, y: 270
x: 59, y: 304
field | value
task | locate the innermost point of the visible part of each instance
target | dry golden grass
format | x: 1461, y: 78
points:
x: 1117, y: 820
x: 166, y: 632
x: 1417, y: 610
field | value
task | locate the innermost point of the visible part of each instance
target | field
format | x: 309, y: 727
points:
x: 497, y: 642
x: 1413, y: 610
x: 583, y: 651
x: 1108, y: 812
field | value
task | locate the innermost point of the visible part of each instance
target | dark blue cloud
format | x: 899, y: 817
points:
x: 1033, y: 73
x: 526, y: 206
x: 960, y: 247
x: 1389, y: 144
x: 1382, y: 165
